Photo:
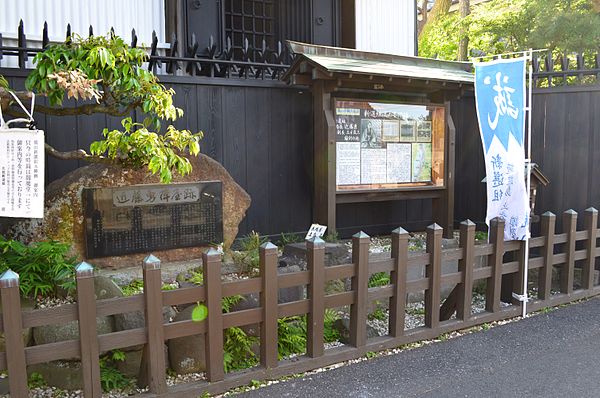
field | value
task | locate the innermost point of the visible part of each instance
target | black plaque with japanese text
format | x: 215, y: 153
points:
x: 144, y: 218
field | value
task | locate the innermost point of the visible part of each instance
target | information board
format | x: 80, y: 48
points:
x: 388, y: 145
x: 143, y: 218
x: 21, y: 173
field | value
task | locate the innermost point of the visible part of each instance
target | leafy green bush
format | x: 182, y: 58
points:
x: 109, y: 72
x: 248, y: 257
x: 330, y: 333
x: 288, y: 238
x: 379, y: 279
x: 44, y: 268
x: 291, y: 334
x: 110, y: 377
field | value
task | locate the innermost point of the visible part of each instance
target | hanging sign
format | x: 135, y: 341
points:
x: 500, y: 100
x: 21, y: 167
x: 21, y: 173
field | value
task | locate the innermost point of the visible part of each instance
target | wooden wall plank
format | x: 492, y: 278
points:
x: 258, y: 152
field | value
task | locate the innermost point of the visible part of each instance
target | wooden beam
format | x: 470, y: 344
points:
x: 324, y: 158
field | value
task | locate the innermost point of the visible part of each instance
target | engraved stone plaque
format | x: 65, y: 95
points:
x: 144, y: 218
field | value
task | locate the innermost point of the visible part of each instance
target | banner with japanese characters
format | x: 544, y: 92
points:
x: 500, y: 99
x: 21, y: 173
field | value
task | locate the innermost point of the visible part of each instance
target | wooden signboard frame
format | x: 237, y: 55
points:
x: 328, y: 85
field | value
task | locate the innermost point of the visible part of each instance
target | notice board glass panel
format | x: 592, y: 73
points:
x: 384, y: 145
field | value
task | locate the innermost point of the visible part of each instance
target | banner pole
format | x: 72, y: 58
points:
x: 529, y: 59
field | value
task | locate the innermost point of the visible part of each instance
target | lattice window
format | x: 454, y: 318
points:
x: 250, y: 19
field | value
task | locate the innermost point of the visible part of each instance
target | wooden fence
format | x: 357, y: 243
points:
x: 548, y: 250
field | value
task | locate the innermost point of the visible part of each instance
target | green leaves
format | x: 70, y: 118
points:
x: 43, y: 267
x: 501, y: 26
x: 162, y: 154
x: 110, y: 60
x: 3, y: 82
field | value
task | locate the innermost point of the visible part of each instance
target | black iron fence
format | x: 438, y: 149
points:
x: 551, y: 69
x: 223, y: 60
x: 247, y: 63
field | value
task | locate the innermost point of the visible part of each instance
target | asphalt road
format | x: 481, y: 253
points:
x: 548, y: 355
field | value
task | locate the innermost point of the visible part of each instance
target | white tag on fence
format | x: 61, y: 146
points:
x: 316, y: 230
x: 21, y: 173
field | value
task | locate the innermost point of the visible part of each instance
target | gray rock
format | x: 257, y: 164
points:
x: 69, y: 331
x: 130, y: 367
x: 4, y: 389
x: 26, y: 304
x: 137, y: 319
x: 187, y: 354
x: 105, y: 288
x: 247, y: 302
x: 293, y: 293
x: 343, y: 327
x: 335, y: 253
x: 66, y: 375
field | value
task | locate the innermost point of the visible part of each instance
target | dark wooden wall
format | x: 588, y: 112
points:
x: 262, y: 133
x: 565, y: 144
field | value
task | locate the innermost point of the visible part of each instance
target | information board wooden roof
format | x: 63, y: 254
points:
x: 334, y: 60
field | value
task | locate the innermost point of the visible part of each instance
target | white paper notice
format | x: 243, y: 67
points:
x: 398, y: 162
x: 347, y: 163
x: 373, y: 166
x: 21, y: 173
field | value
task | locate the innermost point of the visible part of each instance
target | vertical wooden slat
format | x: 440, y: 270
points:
x: 154, y: 351
x: 13, y: 334
x: 433, y: 271
x: 211, y: 261
x: 360, y: 286
x: 568, y: 270
x: 465, y: 266
x: 398, y: 279
x: 315, y: 255
x: 268, y: 302
x: 545, y: 277
x: 494, y: 284
x: 88, y: 335
x: 591, y: 224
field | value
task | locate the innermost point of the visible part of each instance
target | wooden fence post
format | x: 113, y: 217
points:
x: 88, y: 334
x: 13, y: 334
x: 398, y: 279
x: 568, y: 269
x: 315, y: 255
x: 268, y: 302
x: 360, y: 286
x: 211, y: 261
x: 433, y: 271
x: 545, y: 277
x: 494, y: 284
x: 591, y: 224
x: 465, y: 266
x: 154, y: 351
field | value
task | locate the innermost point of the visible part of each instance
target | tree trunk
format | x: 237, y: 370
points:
x: 463, y: 45
x: 424, y: 12
x: 439, y: 9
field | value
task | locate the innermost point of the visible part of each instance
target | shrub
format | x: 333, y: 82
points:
x: 44, y: 268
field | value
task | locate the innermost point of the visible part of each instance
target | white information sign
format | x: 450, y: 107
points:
x: 316, y: 230
x: 373, y: 166
x: 348, y: 163
x: 21, y: 173
x: 398, y: 162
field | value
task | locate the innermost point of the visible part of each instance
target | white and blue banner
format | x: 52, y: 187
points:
x: 500, y: 98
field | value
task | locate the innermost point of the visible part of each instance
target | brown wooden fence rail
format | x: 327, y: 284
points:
x: 547, y: 251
